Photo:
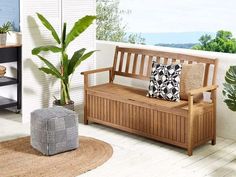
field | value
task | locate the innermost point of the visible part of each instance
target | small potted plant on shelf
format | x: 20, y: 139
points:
x: 67, y: 65
x: 229, y: 90
x: 4, y: 29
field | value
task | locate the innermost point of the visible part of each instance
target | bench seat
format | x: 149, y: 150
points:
x: 126, y: 93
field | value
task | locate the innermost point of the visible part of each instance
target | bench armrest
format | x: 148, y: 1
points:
x: 203, y: 89
x: 97, y: 71
x: 86, y: 75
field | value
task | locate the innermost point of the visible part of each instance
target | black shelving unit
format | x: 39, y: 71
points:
x: 11, y: 53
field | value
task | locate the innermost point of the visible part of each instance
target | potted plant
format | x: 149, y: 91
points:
x: 229, y: 90
x: 67, y: 65
x: 4, y: 29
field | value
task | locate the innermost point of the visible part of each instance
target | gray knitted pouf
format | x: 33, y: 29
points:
x: 54, y: 130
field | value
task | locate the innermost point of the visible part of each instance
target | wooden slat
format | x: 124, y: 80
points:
x: 178, y: 128
x: 215, y: 71
x: 127, y: 63
x: 131, y: 119
x: 182, y: 129
x: 155, y: 126
x: 135, y: 64
x: 121, y: 61
x: 118, y: 113
x: 165, y: 60
x: 115, y: 58
x: 144, y: 118
x: 149, y: 68
x: 171, y: 126
x: 159, y: 123
x: 173, y: 60
x: 142, y: 65
x: 174, y: 128
x: 190, y: 62
x: 148, y: 121
x: 152, y: 122
x: 158, y: 59
x: 206, y: 75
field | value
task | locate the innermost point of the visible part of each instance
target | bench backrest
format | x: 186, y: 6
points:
x: 137, y: 63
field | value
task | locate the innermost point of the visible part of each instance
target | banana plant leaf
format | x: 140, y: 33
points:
x: 63, y: 36
x: 74, y: 65
x: 49, y: 71
x: 49, y: 27
x: 51, y: 48
x: 50, y: 66
x: 76, y: 56
x: 79, y: 27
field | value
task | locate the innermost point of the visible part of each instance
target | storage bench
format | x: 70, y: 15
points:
x: 185, y: 124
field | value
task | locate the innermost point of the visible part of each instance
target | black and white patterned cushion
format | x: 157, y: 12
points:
x: 165, y: 81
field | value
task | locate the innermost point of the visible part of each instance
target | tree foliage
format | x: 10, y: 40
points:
x: 135, y: 38
x: 110, y: 25
x: 223, y: 42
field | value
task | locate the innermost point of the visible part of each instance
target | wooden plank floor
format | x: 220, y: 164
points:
x: 140, y: 157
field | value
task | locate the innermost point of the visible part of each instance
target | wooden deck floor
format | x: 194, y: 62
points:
x: 140, y: 157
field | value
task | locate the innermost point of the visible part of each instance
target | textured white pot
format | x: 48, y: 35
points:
x: 3, y: 39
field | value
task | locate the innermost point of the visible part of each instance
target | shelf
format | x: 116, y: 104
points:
x: 10, y: 54
x: 7, y: 103
x: 10, y: 45
x: 7, y: 81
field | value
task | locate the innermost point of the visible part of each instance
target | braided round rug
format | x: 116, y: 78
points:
x: 18, y: 158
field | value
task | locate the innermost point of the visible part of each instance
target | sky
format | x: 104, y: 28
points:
x: 154, y: 16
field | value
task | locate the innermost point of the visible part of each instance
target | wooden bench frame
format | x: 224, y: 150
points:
x: 187, y: 127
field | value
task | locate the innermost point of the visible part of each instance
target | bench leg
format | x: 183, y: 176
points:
x: 190, y: 125
x: 85, y: 122
x: 85, y: 115
x: 213, y: 141
x: 85, y: 99
x: 190, y: 151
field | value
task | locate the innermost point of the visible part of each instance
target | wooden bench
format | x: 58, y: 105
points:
x: 185, y: 124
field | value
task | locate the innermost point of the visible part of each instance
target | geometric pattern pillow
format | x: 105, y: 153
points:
x: 165, y: 81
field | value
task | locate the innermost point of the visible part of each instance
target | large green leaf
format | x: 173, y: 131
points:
x: 79, y: 27
x: 63, y: 37
x: 46, y: 23
x: 49, y: 71
x: 51, y: 48
x: 231, y: 104
x: 82, y: 58
x: 229, y: 90
x: 230, y: 76
x: 50, y: 66
x: 76, y: 56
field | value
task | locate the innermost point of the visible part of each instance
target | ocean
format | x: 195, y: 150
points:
x: 173, y: 37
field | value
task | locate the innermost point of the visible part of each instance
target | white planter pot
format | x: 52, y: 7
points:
x: 3, y: 39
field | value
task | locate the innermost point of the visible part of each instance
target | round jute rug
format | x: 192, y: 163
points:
x: 18, y: 158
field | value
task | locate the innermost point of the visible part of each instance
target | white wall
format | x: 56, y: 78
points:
x: 226, y: 119
x: 38, y: 89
